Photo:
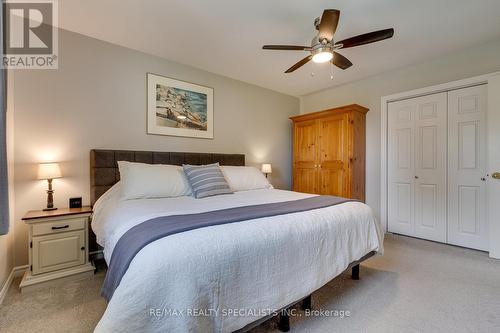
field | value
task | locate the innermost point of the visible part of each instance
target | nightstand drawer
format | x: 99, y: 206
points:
x: 54, y: 252
x: 53, y: 227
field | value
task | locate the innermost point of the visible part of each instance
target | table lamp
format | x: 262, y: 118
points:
x: 49, y: 171
x: 266, y: 169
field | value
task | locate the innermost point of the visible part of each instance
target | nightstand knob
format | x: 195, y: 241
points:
x: 82, y: 248
x: 61, y: 227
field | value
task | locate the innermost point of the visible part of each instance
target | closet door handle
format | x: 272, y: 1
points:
x: 416, y: 177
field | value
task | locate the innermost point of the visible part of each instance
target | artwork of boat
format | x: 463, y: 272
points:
x: 180, y: 108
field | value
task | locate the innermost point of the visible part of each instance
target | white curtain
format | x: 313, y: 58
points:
x: 4, y: 181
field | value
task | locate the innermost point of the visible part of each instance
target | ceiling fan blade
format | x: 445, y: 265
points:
x: 299, y: 64
x: 286, y: 47
x: 340, y: 61
x: 367, y: 38
x: 328, y: 24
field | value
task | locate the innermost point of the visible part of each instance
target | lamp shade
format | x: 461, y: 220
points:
x: 49, y: 171
x: 266, y: 168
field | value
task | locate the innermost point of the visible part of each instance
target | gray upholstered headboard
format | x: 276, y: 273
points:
x: 104, y: 169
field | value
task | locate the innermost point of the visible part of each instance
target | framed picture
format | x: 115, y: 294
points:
x: 179, y: 108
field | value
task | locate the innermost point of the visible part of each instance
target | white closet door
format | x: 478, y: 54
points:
x: 467, y: 223
x: 430, y: 167
x: 400, y: 167
x: 417, y: 167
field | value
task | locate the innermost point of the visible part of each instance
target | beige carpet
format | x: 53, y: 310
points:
x: 417, y: 286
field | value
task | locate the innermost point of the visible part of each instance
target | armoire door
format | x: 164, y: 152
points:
x: 305, y: 156
x: 467, y: 223
x: 333, y: 155
x: 417, y: 167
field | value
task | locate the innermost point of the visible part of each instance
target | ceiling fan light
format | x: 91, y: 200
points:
x: 322, y: 57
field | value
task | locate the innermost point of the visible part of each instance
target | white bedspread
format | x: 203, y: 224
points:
x: 194, y: 281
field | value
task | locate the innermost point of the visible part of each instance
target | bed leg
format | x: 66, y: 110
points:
x: 355, y: 272
x: 307, y: 303
x: 284, y: 322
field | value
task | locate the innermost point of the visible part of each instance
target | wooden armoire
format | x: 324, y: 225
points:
x: 329, y: 152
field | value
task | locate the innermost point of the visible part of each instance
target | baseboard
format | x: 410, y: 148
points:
x: 96, y: 255
x: 16, y: 272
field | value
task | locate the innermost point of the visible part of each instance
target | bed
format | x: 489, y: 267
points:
x: 227, y: 277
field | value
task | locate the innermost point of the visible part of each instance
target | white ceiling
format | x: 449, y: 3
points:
x: 226, y: 36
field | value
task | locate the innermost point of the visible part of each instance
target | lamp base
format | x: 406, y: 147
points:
x: 50, y: 197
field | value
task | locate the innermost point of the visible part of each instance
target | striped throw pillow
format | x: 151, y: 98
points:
x: 206, y: 180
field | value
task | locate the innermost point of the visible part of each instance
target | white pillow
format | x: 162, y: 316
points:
x: 139, y: 181
x: 244, y: 178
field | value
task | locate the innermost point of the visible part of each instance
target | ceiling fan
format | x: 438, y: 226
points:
x: 323, y: 46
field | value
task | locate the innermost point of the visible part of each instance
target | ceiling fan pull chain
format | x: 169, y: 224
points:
x: 331, y: 71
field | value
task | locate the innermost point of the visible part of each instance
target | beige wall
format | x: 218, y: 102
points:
x: 7, y: 241
x: 475, y: 61
x: 97, y: 99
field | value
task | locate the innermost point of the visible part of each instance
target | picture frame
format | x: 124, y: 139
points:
x: 179, y: 108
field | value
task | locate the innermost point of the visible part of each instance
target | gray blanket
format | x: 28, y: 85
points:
x: 149, y: 231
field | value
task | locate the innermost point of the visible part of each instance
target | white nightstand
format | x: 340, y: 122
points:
x: 58, y: 247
